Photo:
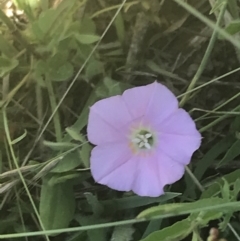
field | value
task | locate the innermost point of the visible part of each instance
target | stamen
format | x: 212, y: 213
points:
x: 147, y: 145
x: 141, y: 144
x: 148, y: 135
x: 136, y: 140
x: 140, y: 136
x: 143, y: 140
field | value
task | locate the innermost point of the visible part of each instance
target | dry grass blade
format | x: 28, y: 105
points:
x: 4, y: 187
x: 14, y: 172
x: 45, y: 170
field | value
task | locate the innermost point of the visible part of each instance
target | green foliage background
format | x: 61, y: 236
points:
x: 57, y: 58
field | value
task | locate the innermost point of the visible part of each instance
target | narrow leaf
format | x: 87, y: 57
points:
x: 87, y: 38
x: 57, y: 205
x: 177, y: 231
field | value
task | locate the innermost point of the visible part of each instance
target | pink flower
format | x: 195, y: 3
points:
x: 143, y: 140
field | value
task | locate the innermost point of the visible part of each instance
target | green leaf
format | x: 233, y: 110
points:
x: 175, y: 209
x: 97, y: 207
x: 18, y: 139
x: 116, y: 52
x: 180, y: 230
x: 146, y: 5
x: 58, y: 59
x: 236, y: 189
x: 208, y: 159
x: 233, y: 27
x: 50, y: 29
x: 44, y: 4
x: 68, y: 163
x: 108, y: 88
x: 51, y: 17
x: 36, y: 30
x: 113, y: 86
x: 59, y: 146
x: 46, y: 20
x: 235, y: 125
x: 62, y: 178
x: 225, y: 190
x: 47, y: 168
x: 7, y: 48
x: 119, y: 25
x: 62, y: 73
x: 58, y: 67
x: 217, y: 5
x: 87, y: 38
x: 97, y: 234
x: 233, y: 8
x: 6, y: 65
x: 94, y: 68
x: 177, y: 231
x: 216, y: 186
x: 75, y: 134
x: 137, y: 201
x: 87, y: 26
x: 123, y: 233
x: 153, y: 226
x: 39, y: 72
x: 232, y: 153
x: 85, y: 154
x: 203, y: 218
x: 57, y: 205
x: 82, y: 119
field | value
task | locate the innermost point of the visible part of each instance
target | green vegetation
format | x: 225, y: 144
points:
x: 57, y: 58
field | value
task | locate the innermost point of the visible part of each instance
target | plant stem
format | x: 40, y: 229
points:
x: 53, y: 103
x: 206, y: 55
x: 74, y: 80
x: 9, y: 141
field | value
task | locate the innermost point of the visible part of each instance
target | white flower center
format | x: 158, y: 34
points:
x: 143, y: 140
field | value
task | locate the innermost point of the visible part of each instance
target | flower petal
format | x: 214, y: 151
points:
x: 180, y: 148
x: 169, y: 170
x: 178, y: 137
x: 179, y: 123
x: 147, y: 181
x: 115, y: 166
x: 152, y: 101
x: 108, y: 119
x: 111, y: 165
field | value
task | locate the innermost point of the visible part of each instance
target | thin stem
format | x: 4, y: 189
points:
x: 218, y: 107
x: 195, y: 180
x: 11, y: 94
x: 6, y: 128
x: 173, y: 213
x: 208, y: 22
x: 218, y: 120
x: 39, y: 100
x: 56, y: 118
x: 209, y: 82
x: 206, y: 55
x: 73, y: 81
x: 20, y: 212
